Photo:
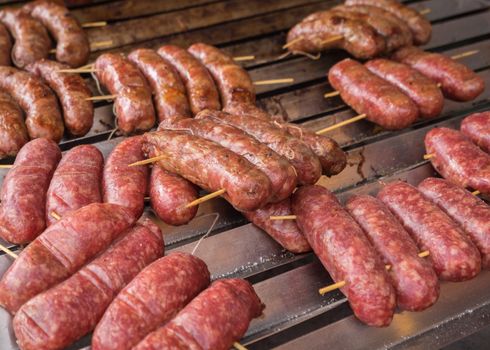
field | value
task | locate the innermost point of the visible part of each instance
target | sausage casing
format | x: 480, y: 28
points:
x: 477, y: 128
x: 5, y: 46
x: 13, y: 132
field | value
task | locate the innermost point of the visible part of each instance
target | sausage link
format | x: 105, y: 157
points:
x: 280, y: 173
x: 458, y: 82
x: 43, y: 116
x: 72, y: 45
x: 61, y: 250
x: 423, y: 91
x: 13, y: 132
x: 453, y: 255
x: 346, y: 253
x: 210, y: 166
x: 284, y: 232
x: 234, y: 83
x: 469, y: 211
x: 5, y: 46
x: 304, y: 161
x: 31, y: 40
x: 414, y: 279
x: 458, y: 160
x: 246, y: 109
x: 72, y: 92
x: 168, y: 89
x: 201, y: 89
x: 75, y: 183
x: 151, y: 299
x: 477, y: 128
x: 122, y: 184
x: 23, y: 194
x: 206, y: 323
x: 133, y: 105
x: 382, y: 102
x: 169, y: 193
x: 65, y: 313
x: 420, y: 27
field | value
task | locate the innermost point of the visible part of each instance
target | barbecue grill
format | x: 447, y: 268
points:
x: 296, y: 316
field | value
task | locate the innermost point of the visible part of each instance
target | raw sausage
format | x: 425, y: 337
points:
x: 56, y: 318
x: 477, y: 128
x: 415, y: 282
x: 75, y: 183
x: 453, y: 255
x: 5, y: 46
x: 458, y: 160
x: 382, y: 102
x: 61, y: 250
x: 23, y: 194
x: 214, y: 320
x: 151, y: 299
x: 168, y: 89
x: 346, y: 253
x: 13, y: 132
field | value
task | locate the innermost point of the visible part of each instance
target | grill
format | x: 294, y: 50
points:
x: 296, y: 316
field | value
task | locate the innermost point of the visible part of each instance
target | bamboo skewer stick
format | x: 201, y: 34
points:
x: 8, y: 251
x: 101, y: 97
x: 465, y: 54
x: 239, y: 346
x: 77, y: 70
x: 244, y: 58
x: 6, y: 166
x: 425, y: 11
x: 94, y: 24
x: 475, y: 193
x: 205, y: 198
x: 345, y: 122
x: 274, y: 81
x: 55, y: 215
x: 147, y: 161
x: 428, y: 156
x: 101, y: 44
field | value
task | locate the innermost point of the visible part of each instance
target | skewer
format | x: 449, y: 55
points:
x: 428, y: 156
x: 55, y: 215
x: 147, y: 161
x: 205, y: 198
x: 274, y: 81
x: 6, y: 166
x: 425, y: 11
x: 465, y: 54
x: 244, y: 58
x: 94, y: 24
x: 239, y: 346
x: 77, y: 70
x: 8, y: 251
x: 345, y: 122
x: 476, y: 193
x: 101, y: 97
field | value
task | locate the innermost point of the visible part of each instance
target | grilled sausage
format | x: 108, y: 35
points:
x: 201, y: 90
x: 151, y: 299
x: 214, y: 320
x: 31, y: 40
x: 72, y: 92
x: 168, y: 89
x: 61, y: 250
x: 72, y: 45
x: 420, y: 27
x: 458, y: 160
x: 75, y: 183
x: 415, y: 282
x: 247, y: 109
x: 453, y: 255
x: 23, y: 194
x: 133, y: 105
x: 382, y: 102
x: 477, y: 128
x: 346, y: 253
x: 5, y: 46
x: 423, y: 91
x: 13, y: 133
x: 458, y: 82
x: 43, y: 116
x: 58, y: 317
x: 122, y: 184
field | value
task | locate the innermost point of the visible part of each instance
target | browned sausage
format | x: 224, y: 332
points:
x: 13, y: 133
x: 5, y: 46
x: 477, y: 128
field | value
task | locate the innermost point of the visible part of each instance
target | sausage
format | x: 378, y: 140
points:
x: 304, y: 161
x: 423, y: 91
x: 477, y: 128
x: 246, y: 109
x: 453, y: 255
x: 346, y: 253
x: 13, y: 132
x: 458, y: 160
x: 122, y: 184
x: 169, y: 193
x: 458, y: 82
x: 280, y: 173
x: 5, y: 46
x: 72, y: 92
x: 414, y: 279
x: 31, y: 39
x: 201, y: 89
x: 133, y: 105
x: 72, y: 45
x: 75, y: 183
x: 23, y: 193
x: 214, y: 320
x: 43, y: 116
x: 63, y: 314
x: 420, y: 27
x: 234, y: 83
x: 469, y: 211
x: 315, y: 35
x: 151, y: 299
x: 168, y: 89
x: 211, y: 167
x: 284, y: 232
x: 382, y: 102
x: 61, y: 250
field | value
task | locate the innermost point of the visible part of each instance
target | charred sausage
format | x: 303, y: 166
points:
x: 477, y: 128
x: 13, y: 132
x: 5, y: 46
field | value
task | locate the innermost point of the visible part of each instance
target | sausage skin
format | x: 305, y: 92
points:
x: 5, y: 46
x: 477, y: 128
x: 13, y: 132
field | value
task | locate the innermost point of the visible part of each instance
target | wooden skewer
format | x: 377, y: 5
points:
x: 77, y: 70
x: 205, y: 198
x: 475, y: 193
x: 94, y: 24
x: 147, y: 161
x: 6, y: 166
x: 283, y: 217
x: 244, y: 58
x: 101, y: 44
x: 428, y: 156
x: 239, y: 346
x: 292, y: 42
x: 338, y: 125
x: 465, y: 54
x: 331, y: 94
x: 425, y: 11
x: 8, y: 251
x: 55, y: 215
x: 101, y: 97
x: 274, y: 81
